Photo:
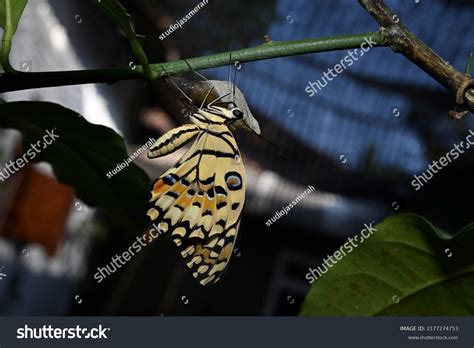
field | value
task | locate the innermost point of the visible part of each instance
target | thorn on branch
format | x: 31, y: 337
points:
x: 267, y: 39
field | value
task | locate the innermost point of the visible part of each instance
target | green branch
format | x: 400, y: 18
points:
x: 269, y: 49
x: 392, y: 33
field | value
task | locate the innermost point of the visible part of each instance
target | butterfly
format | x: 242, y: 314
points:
x: 199, y: 201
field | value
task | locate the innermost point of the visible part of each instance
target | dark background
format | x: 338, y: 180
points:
x: 358, y: 142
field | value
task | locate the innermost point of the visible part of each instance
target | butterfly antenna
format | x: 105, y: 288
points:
x: 230, y: 70
x: 171, y: 82
x: 205, y: 98
x: 194, y: 71
x: 218, y: 98
x: 206, y: 79
x: 233, y: 85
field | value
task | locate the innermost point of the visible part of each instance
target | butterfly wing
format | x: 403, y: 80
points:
x: 200, y: 201
x: 173, y: 140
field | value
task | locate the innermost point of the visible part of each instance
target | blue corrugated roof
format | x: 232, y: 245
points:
x: 350, y: 115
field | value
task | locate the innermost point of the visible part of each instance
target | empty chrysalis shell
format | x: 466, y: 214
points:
x: 197, y: 91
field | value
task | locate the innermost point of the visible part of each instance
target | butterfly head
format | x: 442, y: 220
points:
x: 234, y: 112
x: 222, y: 95
x: 228, y: 113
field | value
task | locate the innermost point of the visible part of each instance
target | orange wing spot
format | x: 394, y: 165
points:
x: 158, y: 184
x: 204, y: 252
x: 208, y: 204
x: 179, y: 189
x: 226, y: 252
x: 184, y: 200
x: 158, y: 188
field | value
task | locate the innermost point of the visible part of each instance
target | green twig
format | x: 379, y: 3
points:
x: 468, y: 69
x: 120, y: 16
x: 270, y: 49
x: 7, y: 39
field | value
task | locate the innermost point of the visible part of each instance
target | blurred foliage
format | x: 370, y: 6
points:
x: 81, y: 157
x: 408, y: 267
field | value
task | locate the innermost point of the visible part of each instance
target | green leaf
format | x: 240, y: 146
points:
x: 407, y: 267
x: 10, y: 14
x: 119, y: 15
x: 81, y: 157
x: 16, y: 10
